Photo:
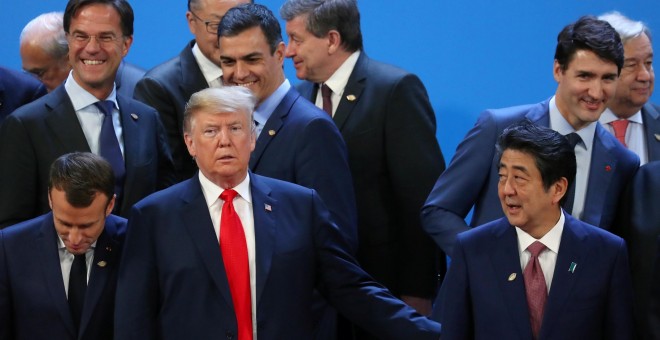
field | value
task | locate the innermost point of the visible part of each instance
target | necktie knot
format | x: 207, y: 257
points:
x: 228, y: 195
x: 573, y: 139
x: 105, y: 106
x: 536, y: 248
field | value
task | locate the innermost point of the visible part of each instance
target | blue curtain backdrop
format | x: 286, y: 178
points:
x: 471, y: 55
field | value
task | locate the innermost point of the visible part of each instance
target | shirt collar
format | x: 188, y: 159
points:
x: 608, y: 116
x: 80, y: 98
x: 561, y: 125
x: 337, y: 82
x: 551, y: 239
x: 212, y: 191
x: 210, y: 70
x: 266, y: 108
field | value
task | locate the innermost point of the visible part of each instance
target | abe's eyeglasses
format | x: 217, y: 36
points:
x: 211, y: 26
x: 102, y: 39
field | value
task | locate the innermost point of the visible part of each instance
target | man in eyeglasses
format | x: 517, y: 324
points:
x: 85, y: 114
x: 168, y: 86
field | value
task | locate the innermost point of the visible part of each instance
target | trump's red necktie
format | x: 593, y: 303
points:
x: 235, y: 257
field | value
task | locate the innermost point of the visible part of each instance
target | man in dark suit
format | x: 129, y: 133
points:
x: 296, y: 141
x: 630, y: 116
x: 388, y: 124
x: 44, y: 53
x: 537, y: 273
x: 168, y: 86
x: 285, y: 245
x: 17, y: 89
x: 588, y: 59
x: 639, y: 225
x: 58, y: 272
x: 73, y: 118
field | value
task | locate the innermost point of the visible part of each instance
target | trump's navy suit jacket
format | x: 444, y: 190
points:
x: 388, y: 124
x: 173, y: 284
x: 38, y: 133
x: 482, y: 299
x: 300, y: 144
x: 33, y: 302
x: 472, y: 176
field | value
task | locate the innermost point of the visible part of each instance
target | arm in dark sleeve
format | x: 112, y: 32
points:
x: 458, y: 188
x: 355, y: 294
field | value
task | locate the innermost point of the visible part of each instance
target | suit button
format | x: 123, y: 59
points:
x: 229, y: 335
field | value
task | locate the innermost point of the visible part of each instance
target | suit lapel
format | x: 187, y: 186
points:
x: 354, y: 87
x: 46, y: 247
x: 274, y: 124
x: 198, y: 223
x: 651, y: 119
x: 63, y: 122
x: 570, y: 251
x: 105, y: 260
x: 191, y: 74
x: 264, y: 209
x: 505, y: 263
x: 603, y: 165
x: 308, y: 90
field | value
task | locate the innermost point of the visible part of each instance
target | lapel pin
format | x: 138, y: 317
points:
x: 657, y: 137
x: 608, y: 168
x: 571, y: 268
x: 351, y: 98
x: 108, y: 248
x: 102, y: 264
x: 268, y: 207
x: 271, y: 132
x: 512, y: 276
x: 134, y: 116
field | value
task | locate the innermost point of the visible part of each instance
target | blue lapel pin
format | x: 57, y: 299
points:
x: 571, y: 268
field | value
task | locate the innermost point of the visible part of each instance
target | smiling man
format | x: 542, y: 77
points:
x: 58, y: 272
x: 537, y: 273
x: 588, y: 59
x: 85, y: 114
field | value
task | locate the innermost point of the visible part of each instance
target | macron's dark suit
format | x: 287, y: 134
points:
x: 17, y: 89
x: 167, y: 88
x: 639, y: 225
x: 33, y: 302
x: 479, y: 300
x: 38, y: 133
x: 389, y: 130
x: 472, y: 176
x: 127, y: 77
x: 651, y: 119
x: 306, y: 148
x: 184, y: 294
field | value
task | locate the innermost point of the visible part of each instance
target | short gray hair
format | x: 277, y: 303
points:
x: 625, y: 27
x: 325, y: 15
x: 47, y: 31
x: 223, y: 99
